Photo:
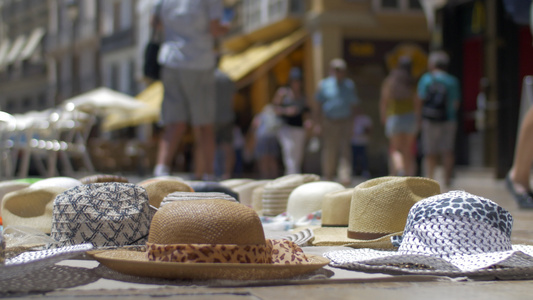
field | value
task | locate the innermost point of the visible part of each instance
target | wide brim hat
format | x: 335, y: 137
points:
x: 452, y: 234
x: 10, y: 186
x: 64, y: 182
x: 34, y: 261
x: 246, y: 190
x: 31, y: 207
x: 135, y: 263
x: 336, y: 208
x: 211, y: 239
x: 378, y: 211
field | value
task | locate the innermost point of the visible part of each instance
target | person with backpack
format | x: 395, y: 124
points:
x: 439, y: 96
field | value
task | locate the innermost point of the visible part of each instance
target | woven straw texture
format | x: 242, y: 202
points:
x: 378, y: 211
x: 210, y: 221
x: 31, y: 207
x: 276, y: 193
x: 100, y: 178
x: 336, y: 208
x: 381, y: 205
x: 453, y: 234
x: 184, y: 196
x: 158, y: 190
x: 104, y: 214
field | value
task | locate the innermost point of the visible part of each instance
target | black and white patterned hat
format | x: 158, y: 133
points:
x: 452, y: 234
x: 111, y: 214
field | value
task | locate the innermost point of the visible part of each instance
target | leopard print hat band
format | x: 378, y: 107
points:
x: 273, y: 251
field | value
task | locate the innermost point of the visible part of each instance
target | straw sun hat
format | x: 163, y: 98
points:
x: 211, y: 239
x: 378, y: 210
x: 452, y: 234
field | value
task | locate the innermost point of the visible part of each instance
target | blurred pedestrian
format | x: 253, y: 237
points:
x: 397, y: 111
x: 263, y: 131
x: 224, y: 124
x: 187, y: 59
x: 439, y: 120
x: 337, y: 99
x: 362, y: 127
x: 518, y: 178
x: 290, y: 105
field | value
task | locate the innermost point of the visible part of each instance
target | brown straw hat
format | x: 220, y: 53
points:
x: 211, y: 239
x: 158, y: 189
x: 378, y: 210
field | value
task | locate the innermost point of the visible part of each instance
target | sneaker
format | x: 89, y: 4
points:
x: 161, y: 170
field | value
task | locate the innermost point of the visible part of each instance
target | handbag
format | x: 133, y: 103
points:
x: 151, y: 67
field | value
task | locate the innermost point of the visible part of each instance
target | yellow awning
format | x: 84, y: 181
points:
x: 241, y: 66
x: 152, y: 96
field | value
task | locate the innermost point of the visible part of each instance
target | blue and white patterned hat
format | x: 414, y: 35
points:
x: 111, y: 214
x: 452, y: 234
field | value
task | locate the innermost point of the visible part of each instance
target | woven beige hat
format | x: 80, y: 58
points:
x: 276, y: 193
x: 158, y: 189
x: 211, y: 239
x: 336, y: 208
x: 100, y: 178
x: 235, y: 182
x: 308, y: 197
x: 246, y: 190
x: 378, y: 210
x: 10, y: 186
x: 31, y: 207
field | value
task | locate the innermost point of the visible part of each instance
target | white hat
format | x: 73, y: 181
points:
x: 452, y: 234
x: 308, y: 197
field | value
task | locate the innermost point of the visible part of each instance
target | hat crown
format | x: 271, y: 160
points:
x: 210, y: 221
x: 455, y: 223
x: 381, y: 205
x: 104, y: 214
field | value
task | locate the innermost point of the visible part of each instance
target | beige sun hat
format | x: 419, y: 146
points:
x: 378, y: 210
x: 308, y: 197
x: 31, y: 207
x: 9, y: 186
x: 211, y: 239
x: 276, y: 193
x: 158, y: 189
x: 64, y: 182
x: 246, y: 190
x: 235, y: 182
x: 336, y: 208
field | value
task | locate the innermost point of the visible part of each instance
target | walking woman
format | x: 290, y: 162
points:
x: 398, y: 114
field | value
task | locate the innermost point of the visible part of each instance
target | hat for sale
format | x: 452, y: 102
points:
x: 30, y: 207
x: 451, y: 234
x: 308, y: 197
x: 211, y: 239
x: 276, y: 192
x: 378, y: 210
x: 336, y: 208
x: 158, y: 189
x: 109, y: 214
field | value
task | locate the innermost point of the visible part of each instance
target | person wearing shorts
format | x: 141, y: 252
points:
x: 188, y: 62
x: 438, y: 138
x: 397, y: 110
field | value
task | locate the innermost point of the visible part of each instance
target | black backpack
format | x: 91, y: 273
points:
x: 434, y: 107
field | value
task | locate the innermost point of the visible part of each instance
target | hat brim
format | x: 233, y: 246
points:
x: 337, y: 236
x: 513, y: 264
x: 32, y: 261
x: 136, y: 263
